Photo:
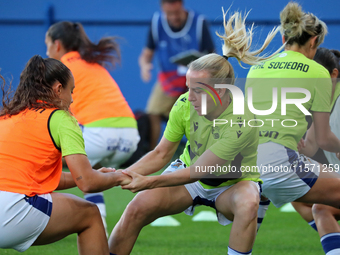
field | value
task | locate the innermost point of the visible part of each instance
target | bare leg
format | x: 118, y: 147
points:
x: 71, y: 214
x: 240, y: 204
x: 326, y: 219
x: 326, y: 190
x: 98, y: 199
x: 142, y: 210
x: 304, y: 209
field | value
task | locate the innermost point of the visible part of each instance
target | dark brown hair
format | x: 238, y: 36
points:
x: 35, y: 87
x: 328, y: 59
x: 336, y: 53
x: 73, y: 38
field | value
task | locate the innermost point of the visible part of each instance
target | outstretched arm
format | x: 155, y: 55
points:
x: 176, y: 178
x: 89, y: 180
x: 155, y: 159
x: 309, y: 146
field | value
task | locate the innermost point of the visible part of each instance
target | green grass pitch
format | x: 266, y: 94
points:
x: 280, y: 233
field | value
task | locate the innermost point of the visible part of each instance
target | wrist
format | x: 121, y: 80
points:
x: 119, y: 177
x: 152, y: 181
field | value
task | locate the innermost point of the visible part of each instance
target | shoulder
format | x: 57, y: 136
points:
x: 237, y: 125
x: 156, y: 17
x: 196, y: 17
x: 290, y: 64
x: 182, y: 102
x: 61, y: 117
x: 319, y: 70
x: 181, y: 108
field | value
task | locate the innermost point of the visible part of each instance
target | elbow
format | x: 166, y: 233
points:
x: 322, y: 143
x: 86, y: 187
x: 163, y: 154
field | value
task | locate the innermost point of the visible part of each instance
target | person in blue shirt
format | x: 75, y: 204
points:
x: 172, y: 31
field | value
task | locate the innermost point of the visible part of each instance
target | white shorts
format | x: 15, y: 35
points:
x: 200, y: 195
x: 286, y: 174
x: 22, y: 219
x: 110, y: 147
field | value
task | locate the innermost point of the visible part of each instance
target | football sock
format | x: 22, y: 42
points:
x: 313, y: 225
x: 261, y: 212
x: 98, y: 199
x: 331, y: 243
x: 233, y: 252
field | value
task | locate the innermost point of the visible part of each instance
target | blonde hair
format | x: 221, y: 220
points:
x: 298, y: 26
x: 237, y: 42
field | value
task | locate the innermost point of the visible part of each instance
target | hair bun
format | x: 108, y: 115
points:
x: 291, y: 19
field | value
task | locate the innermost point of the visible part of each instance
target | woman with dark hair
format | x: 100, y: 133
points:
x: 37, y: 129
x: 108, y: 124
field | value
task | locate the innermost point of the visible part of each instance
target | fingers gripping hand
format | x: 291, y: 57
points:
x: 125, y: 179
x: 138, y: 182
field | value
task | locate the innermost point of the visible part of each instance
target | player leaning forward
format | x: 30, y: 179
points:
x: 37, y: 129
x: 235, y: 199
x: 287, y: 175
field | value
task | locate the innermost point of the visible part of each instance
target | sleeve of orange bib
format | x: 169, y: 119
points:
x: 66, y: 133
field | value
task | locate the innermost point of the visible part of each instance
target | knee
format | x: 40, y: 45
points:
x: 138, y: 211
x: 247, y: 207
x: 320, y: 210
x: 91, y: 210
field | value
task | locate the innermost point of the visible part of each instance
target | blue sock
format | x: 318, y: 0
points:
x: 95, y: 197
x: 261, y: 212
x: 313, y: 225
x: 233, y: 252
x: 98, y: 199
x: 331, y: 243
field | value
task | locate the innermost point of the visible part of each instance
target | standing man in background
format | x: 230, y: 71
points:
x: 173, y: 31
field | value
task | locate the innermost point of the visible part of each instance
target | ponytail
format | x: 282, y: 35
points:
x: 298, y: 26
x: 236, y: 43
x: 73, y: 38
x: 35, y: 89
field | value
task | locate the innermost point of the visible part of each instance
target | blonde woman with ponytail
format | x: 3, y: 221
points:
x: 294, y: 75
x: 234, y: 195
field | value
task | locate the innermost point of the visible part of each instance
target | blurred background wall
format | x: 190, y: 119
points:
x: 23, y: 24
